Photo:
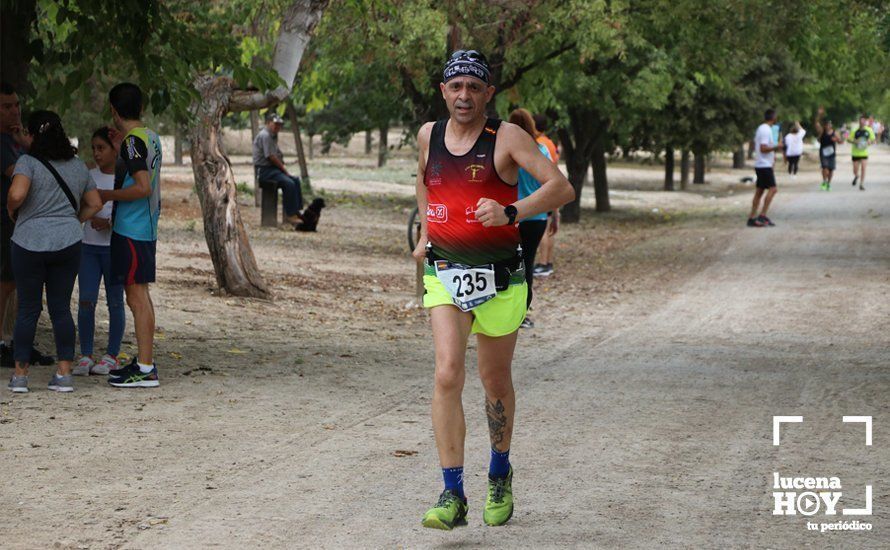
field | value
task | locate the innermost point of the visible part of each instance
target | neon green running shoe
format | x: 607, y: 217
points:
x: 499, y: 504
x: 448, y: 513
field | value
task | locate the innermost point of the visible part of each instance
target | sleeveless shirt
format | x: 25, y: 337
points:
x: 454, y: 186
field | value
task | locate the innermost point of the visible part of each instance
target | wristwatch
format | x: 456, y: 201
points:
x: 510, y: 211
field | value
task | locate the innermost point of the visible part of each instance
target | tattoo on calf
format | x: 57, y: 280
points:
x: 497, y: 421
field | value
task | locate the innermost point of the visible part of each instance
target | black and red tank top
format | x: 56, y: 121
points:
x: 454, y: 186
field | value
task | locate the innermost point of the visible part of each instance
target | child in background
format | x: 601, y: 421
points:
x: 95, y: 266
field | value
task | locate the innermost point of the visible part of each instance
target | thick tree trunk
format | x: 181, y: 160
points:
x: 15, y: 54
x: 738, y: 157
x: 668, y: 168
x: 699, y: 175
x: 577, y: 143
x: 298, y: 142
x: 383, y: 147
x: 684, y: 169
x: 368, y: 142
x: 311, y: 147
x: 600, y: 180
x: 233, y: 260
x: 254, y: 130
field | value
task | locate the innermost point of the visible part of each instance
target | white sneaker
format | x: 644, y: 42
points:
x: 82, y: 368
x: 105, y: 365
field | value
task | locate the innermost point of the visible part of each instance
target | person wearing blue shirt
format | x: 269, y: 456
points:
x: 531, y: 230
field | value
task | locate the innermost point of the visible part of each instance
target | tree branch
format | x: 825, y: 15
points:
x: 518, y: 73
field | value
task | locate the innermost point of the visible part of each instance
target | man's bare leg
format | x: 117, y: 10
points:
x: 755, y: 206
x: 451, y: 330
x: 495, y: 360
x: 771, y: 192
x: 139, y: 301
x: 862, y: 164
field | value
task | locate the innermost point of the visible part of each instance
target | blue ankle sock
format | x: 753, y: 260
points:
x: 454, y: 480
x: 500, y: 463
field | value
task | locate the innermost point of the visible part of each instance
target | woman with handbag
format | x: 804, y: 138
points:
x: 51, y: 195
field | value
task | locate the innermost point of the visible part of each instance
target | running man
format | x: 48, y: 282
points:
x: 861, y: 138
x: 134, y: 229
x: 828, y: 140
x: 765, y: 148
x: 474, y: 280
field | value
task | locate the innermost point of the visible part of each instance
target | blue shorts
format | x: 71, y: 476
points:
x: 132, y: 261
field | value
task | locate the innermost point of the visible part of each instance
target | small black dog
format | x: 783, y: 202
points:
x: 310, y: 216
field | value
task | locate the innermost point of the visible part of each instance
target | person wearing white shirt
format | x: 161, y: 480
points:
x: 794, y: 147
x: 765, y: 149
x: 95, y: 266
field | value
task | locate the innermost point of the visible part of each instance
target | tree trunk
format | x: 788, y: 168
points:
x: 738, y: 157
x: 383, y: 147
x: 751, y: 149
x: 233, y: 260
x: 577, y: 143
x: 15, y: 53
x: 699, y: 176
x: 600, y: 180
x: 254, y: 130
x: 311, y: 147
x: 368, y: 142
x: 298, y: 142
x: 668, y: 168
x: 684, y: 169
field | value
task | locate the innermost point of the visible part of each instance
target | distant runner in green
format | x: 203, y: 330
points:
x: 861, y: 138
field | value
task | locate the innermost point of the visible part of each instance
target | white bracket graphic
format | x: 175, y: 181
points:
x: 779, y: 420
x: 867, y: 421
x: 861, y: 511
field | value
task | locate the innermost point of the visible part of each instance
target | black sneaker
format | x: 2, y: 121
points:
x: 766, y: 221
x: 855, y: 180
x: 133, y: 377
x: 755, y: 222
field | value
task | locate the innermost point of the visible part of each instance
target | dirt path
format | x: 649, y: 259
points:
x: 645, y: 396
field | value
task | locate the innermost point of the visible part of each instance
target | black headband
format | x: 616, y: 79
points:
x: 467, y: 63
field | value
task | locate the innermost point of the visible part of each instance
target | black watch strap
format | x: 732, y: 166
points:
x: 510, y: 211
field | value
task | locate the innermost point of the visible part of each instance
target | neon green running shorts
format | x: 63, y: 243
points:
x: 499, y: 316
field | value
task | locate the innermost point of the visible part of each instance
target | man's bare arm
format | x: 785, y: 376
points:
x: 555, y: 189
x: 423, y: 145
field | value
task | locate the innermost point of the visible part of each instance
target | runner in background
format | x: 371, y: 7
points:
x: 531, y: 229
x: 861, y: 138
x: 764, y: 161
x: 828, y: 139
x: 544, y: 267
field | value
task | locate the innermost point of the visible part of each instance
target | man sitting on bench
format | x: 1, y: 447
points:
x: 268, y: 161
